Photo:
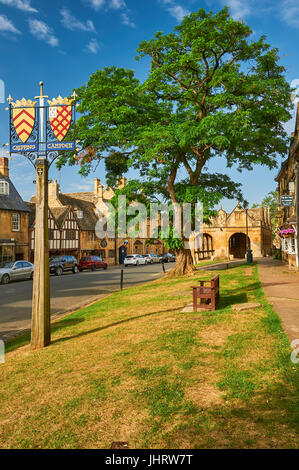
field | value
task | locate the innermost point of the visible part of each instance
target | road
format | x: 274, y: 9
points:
x: 68, y: 292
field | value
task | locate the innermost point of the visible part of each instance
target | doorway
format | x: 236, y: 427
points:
x: 238, y: 245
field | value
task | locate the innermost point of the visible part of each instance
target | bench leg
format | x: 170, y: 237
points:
x: 213, y: 306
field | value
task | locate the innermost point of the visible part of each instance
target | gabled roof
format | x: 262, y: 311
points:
x: 12, y: 201
x: 89, y: 220
x: 59, y: 214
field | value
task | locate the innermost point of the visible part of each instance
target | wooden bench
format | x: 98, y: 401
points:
x: 208, y: 294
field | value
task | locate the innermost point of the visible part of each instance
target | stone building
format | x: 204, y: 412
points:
x: 286, y: 215
x: 226, y: 235
x: 14, y: 219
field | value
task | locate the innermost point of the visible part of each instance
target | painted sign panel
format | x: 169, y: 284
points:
x: 61, y: 146
x: 23, y: 115
x: 15, y: 148
x: 60, y: 116
x: 286, y: 201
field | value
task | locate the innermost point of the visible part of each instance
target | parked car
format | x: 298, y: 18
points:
x: 92, y: 262
x: 16, y: 271
x: 60, y: 264
x: 147, y: 259
x: 168, y: 258
x: 134, y: 260
x: 152, y: 258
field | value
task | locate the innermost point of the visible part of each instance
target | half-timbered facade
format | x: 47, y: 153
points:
x: 64, y: 232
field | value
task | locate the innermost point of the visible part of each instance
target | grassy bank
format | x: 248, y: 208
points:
x: 134, y: 368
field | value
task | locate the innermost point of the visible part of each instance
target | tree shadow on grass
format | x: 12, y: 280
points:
x: 111, y: 325
x: 65, y: 323
x: 228, y: 300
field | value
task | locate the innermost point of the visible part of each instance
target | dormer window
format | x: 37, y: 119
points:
x: 80, y: 214
x: 4, y: 188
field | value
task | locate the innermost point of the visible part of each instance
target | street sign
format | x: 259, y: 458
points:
x: 61, y: 146
x: 15, y: 148
x: 286, y: 201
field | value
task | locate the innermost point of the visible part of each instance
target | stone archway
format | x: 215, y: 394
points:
x: 237, y: 245
x: 138, y: 247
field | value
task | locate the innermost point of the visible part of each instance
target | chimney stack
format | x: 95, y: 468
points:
x: 4, y: 171
x: 98, y: 188
x: 53, y: 189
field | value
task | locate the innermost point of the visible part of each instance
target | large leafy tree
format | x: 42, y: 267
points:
x: 211, y: 92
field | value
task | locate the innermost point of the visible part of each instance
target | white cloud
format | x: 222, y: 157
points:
x: 42, y: 31
x: 109, y: 4
x: 239, y: 9
x: 289, y: 11
x: 70, y: 22
x: 97, y: 4
x: 93, y: 46
x: 6, y: 26
x: 23, y: 5
x: 117, y: 4
x: 114, y: 5
x: 126, y: 20
x: 175, y: 10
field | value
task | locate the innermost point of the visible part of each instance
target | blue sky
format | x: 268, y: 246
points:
x: 63, y: 42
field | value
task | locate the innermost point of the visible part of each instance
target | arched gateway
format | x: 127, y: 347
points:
x: 238, y: 246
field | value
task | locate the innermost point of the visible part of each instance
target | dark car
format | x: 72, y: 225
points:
x: 60, y: 264
x: 168, y: 258
x: 92, y: 262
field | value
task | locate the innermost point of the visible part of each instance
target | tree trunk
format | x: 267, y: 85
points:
x: 184, y: 264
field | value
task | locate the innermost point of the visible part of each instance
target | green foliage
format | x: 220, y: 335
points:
x: 211, y: 92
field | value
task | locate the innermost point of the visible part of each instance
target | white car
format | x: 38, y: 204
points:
x: 134, y: 260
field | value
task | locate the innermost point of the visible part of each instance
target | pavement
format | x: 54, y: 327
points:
x: 281, y: 286
x: 69, y: 292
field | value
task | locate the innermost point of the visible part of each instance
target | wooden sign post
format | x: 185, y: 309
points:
x: 41, y: 133
x: 41, y: 330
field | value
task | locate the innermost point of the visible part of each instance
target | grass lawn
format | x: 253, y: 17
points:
x: 133, y: 368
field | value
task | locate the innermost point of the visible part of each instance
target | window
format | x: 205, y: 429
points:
x: 15, y: 218
x: 284, y: 244
x: 80, y: 214
x: 292, y: 246
x: 111, y: 253
x: 70, y: 234
x: 4, y: 188
x: 51, y: 234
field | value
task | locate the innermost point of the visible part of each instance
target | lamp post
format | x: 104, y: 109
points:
x: 248, y: 250
x: 38, y: 133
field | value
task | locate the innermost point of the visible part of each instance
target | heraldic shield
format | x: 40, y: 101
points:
x: 23, y: 115
x: 60, y: 116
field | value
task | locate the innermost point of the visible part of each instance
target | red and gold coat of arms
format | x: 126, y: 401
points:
x: 60, y: 116
x: 23, y: 115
